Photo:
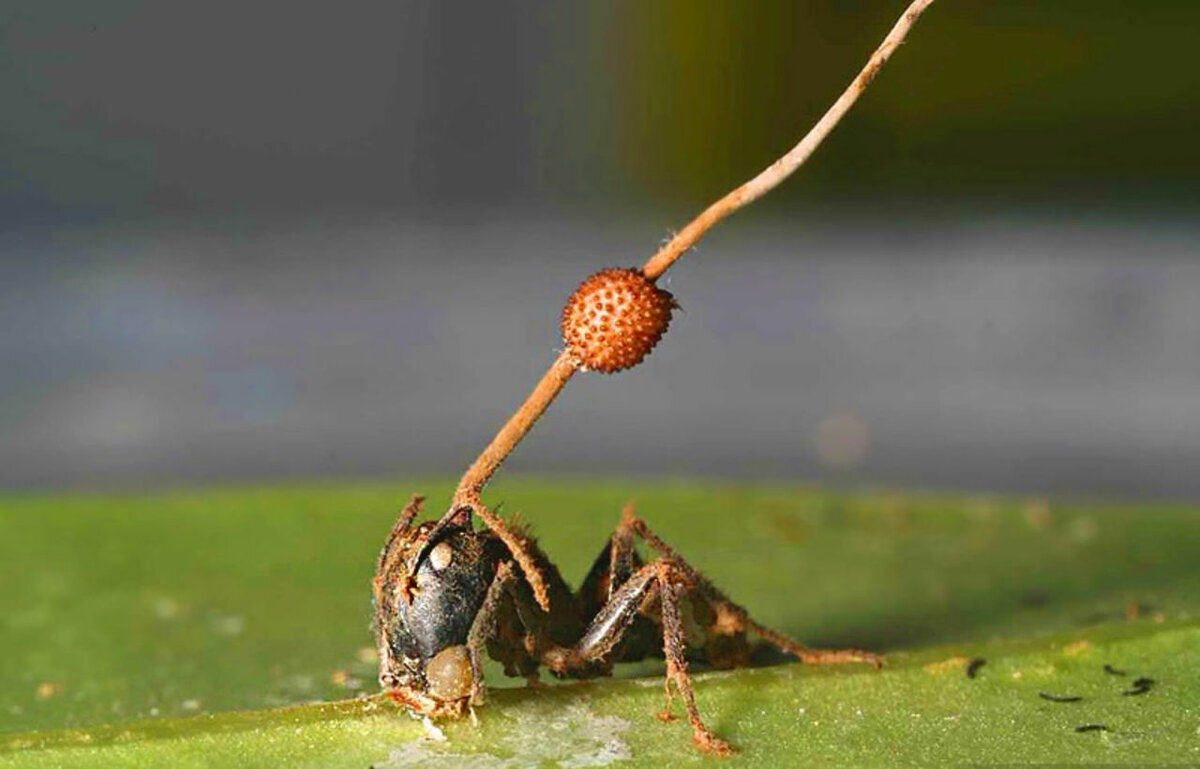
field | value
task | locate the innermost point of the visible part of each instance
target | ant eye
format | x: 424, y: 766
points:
x: 441, y: 555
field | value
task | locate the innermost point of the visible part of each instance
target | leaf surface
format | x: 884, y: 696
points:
x: 230, y: 628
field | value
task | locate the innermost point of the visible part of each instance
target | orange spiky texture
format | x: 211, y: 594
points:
x: 614, y: 319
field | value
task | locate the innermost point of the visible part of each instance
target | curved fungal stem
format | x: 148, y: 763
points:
x: 782, y: 168
x: 482, y: 469
x: 565, y: 365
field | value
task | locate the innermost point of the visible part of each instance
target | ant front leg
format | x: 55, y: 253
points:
x: 486, y: 626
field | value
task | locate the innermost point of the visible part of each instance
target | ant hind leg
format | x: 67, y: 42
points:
x: 730, y: 619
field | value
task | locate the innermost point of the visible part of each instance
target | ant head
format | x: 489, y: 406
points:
x: 432, y: 582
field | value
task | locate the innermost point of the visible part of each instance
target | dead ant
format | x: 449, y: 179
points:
x: 446, y: 594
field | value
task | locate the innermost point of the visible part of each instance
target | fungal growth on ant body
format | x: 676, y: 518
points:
x: 447, y: 594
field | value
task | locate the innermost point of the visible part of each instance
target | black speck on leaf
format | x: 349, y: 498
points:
x: 1140, y: 686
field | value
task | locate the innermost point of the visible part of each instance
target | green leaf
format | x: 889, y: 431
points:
x: 190, y: 628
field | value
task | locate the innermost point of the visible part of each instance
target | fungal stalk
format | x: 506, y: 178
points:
x: 606, y: 335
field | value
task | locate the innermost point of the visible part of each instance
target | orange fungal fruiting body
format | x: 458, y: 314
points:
x: 615, y: 318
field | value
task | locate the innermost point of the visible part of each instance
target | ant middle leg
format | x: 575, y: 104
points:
x: 671, y: 584
x: 659, y: 585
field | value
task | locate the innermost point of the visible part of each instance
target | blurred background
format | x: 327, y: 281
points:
x: 247, y: 241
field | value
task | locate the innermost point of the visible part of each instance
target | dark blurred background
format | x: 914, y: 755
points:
x: 255, y: 240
